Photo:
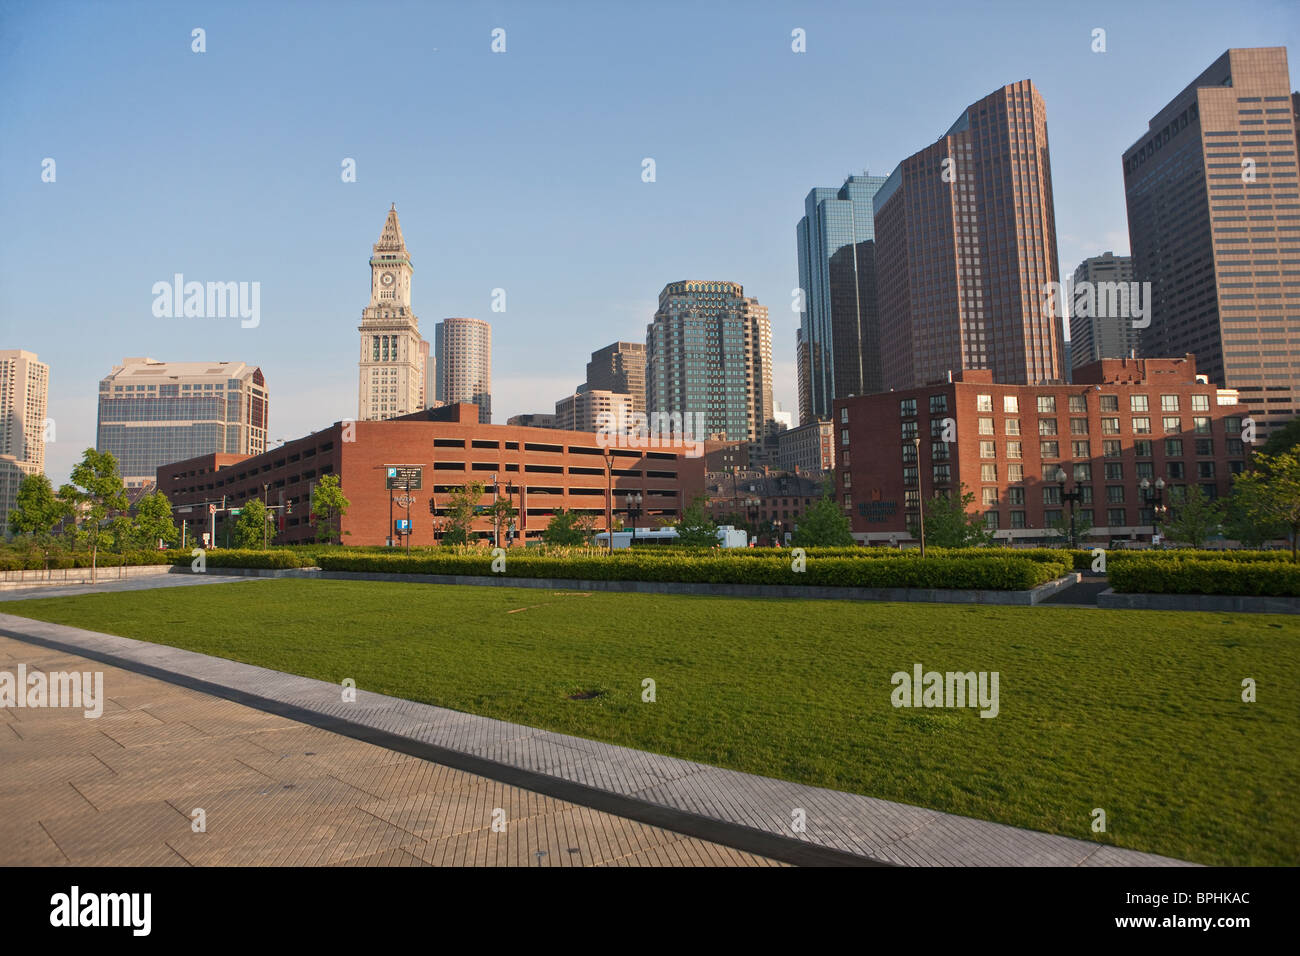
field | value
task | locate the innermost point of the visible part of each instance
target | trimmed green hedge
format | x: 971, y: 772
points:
x: 985, y: 573
x: 235, y: 558
x: 1157, y: 574
x: 25, y: 561
x: 1189, y: 554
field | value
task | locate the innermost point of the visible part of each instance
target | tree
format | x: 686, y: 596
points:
x: 1082, y: 526
x: 1193, y: 517
x: 1270, y: 493
x: 120, y: 534
x: 95, y: 490
x: 37, y: 509
x: 825, y: 525
x: 1241, y: 525
x: 502, y: 513
x: 462, y: 508
x: 949, y: 525
x: 328, y: 507
x: 250, y: 526
x: 153, y: 521
x: 696, y: 529
x: 568, y: 528
x: 1283, y: 439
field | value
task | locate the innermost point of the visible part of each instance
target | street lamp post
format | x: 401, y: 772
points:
x: 609, y: 497
x: 1071, y: 498
x: 752, y: 506
x: 1156, y: 498
x: 634, y: 511
x: 920, y: 493
x: 266, y: 516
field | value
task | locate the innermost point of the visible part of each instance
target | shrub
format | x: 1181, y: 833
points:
x: 1158, y: 574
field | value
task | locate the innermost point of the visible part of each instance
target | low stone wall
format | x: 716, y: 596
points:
x: 60, y: 576
x: 923, y: 595
x: 1199, y: 602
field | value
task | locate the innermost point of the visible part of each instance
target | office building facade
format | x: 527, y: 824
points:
x: 463, y: 358
x: 594, y: 410
x: 1213, y: 208
x: 1099, y: 326
x: 619, y: 367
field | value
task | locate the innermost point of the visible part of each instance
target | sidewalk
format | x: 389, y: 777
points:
x: 744, y: 811
x: 121, y: 789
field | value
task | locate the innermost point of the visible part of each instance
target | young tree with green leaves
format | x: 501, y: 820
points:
x: 502, y: 514
x: 250, y: 526
x: 36, y: 512
x: 1193, y: 517
x: 1082, y: 527
x: 568, y: 528
x: 824, y: 526
x: 94, y: 492
x: 948, y: 523
x: 153, y: 521
x: 329, y: 506
x: 1270, y: 492
x: 462, y: 508
x: 697, y: 529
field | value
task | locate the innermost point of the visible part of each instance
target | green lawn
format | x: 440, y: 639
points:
x: 1138, y: 713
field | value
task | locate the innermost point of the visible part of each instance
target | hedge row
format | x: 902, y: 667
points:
x: 1189, y: 554
x: 985, y: 573
x: 1156, y: 574
x: 30, y: 561
x: 235, y: 558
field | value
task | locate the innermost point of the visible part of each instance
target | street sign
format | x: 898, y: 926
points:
x: 236, y: 511
x: 404, y: 476
x: 402, y: 526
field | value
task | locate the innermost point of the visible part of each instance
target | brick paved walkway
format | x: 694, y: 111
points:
x: 121, y: 789
x: 741, y: 810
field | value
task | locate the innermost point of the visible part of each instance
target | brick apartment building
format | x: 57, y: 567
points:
x: 446, y: 448
x: 762, y: 498
x: 1121, y: 421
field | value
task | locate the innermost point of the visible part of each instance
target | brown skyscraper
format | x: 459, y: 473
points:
x: 619, y: 367
x: 966, y: 246
x: 1214, y: 225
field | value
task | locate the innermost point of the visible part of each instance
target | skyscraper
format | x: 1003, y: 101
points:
x: 1097, y: 330
x: 153, y: 413
x: 391, y: 369
x: 966, y: 249
x: 1212, y: 204
x: 24, y: 399
x: 463, y: 356
x: 619, y: 367
x: 708, y: 353
x: 839, y: 326
x: 593, y: 410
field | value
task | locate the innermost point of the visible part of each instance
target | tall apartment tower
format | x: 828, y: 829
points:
x: 1097, y: 330
x: 590, y: 410
x: 1212, y: 204
x: 463, y: 355
x: 391, y: 369
x: 966, y: 249
x: 24, y: 399
x: 619, y: 367
x: 838, y: 326
x: 154, y: 413
x: 700, y: 358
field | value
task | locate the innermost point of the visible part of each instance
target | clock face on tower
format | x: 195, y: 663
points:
x: 386, y: 279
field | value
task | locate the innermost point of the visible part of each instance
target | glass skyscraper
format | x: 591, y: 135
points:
x: 839, y: 338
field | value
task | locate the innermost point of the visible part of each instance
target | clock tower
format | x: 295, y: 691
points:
x: 393, y: 355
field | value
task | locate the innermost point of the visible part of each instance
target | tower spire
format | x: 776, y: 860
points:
x: 390, y: 241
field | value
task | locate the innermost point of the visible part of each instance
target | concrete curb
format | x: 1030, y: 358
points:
x: 1250, y: 604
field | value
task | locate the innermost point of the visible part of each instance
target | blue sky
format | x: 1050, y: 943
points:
x: 518, y: 170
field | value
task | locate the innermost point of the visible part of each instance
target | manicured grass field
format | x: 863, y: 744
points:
x: 1138, y: 713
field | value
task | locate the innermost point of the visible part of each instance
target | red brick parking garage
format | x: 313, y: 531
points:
x: 443, y: 449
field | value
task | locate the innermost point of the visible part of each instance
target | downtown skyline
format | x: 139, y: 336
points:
x: 536, y: 200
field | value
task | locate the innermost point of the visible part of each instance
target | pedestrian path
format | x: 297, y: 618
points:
x: 777, y: 819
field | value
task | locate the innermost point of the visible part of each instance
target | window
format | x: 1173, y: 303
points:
x: 1017, y: 519
x: 1016, y: 496
x: 1138, y: 403
x: 1015, y: 472
x: 844, y: 414
x: 844, y: 457
x: 1011, y: 404
x: 938, y: 451
x: 1110, y: 426
x: 942, y: 474
x: 1051, y: 495
x: 1052, y: 516
x: 983, y: 403
x: 1049, y: 449
x: 911, y: 499
x: 937, y: 427
x: 1205, y: 447
x: 1200, y: 403
x: 909, y: 476
x: 1085, y: 517
x: 848, y: 480
x: 1047, y: 426
x: 909, y: 451
x: 938, y: 404
x: 1234, y: 446
x: 988, y: 472
x: 1114, y: 471
x: 1080, y: 449
x: 844, y: 436
x: 1078, y: 426
x: 1013, y: 426
x: 1109, y: 403
x: 1173, y: 448
x: 1145, y: 469
x: 1014, y: 450
x: 990, y: 496
x: 1232, y: 425
x: 907, y: 408
x: 988, y: 449
x: 1172, y: 424
x: 1085, y: 494
x: 1142, y: 448
x: 1047, y: 404
x: 1115, y: 517
x: 1205, y: 469
x: 1082, y: 472
x: 986, y: 426
x: 1111, y: 449
x: 1169, y: 403
x: 991, y: 518
x: 909, y: 431
x: 1201, y: 425
x: 1142, y: 426
x: 1174, y: 469
x: 1078, y: 403
x: 1115, y: 494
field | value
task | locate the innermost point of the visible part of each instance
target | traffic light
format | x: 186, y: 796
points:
x: 432, y: 508
x: 288, y: 506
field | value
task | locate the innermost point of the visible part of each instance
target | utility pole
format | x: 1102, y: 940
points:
x: 266, y: 514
